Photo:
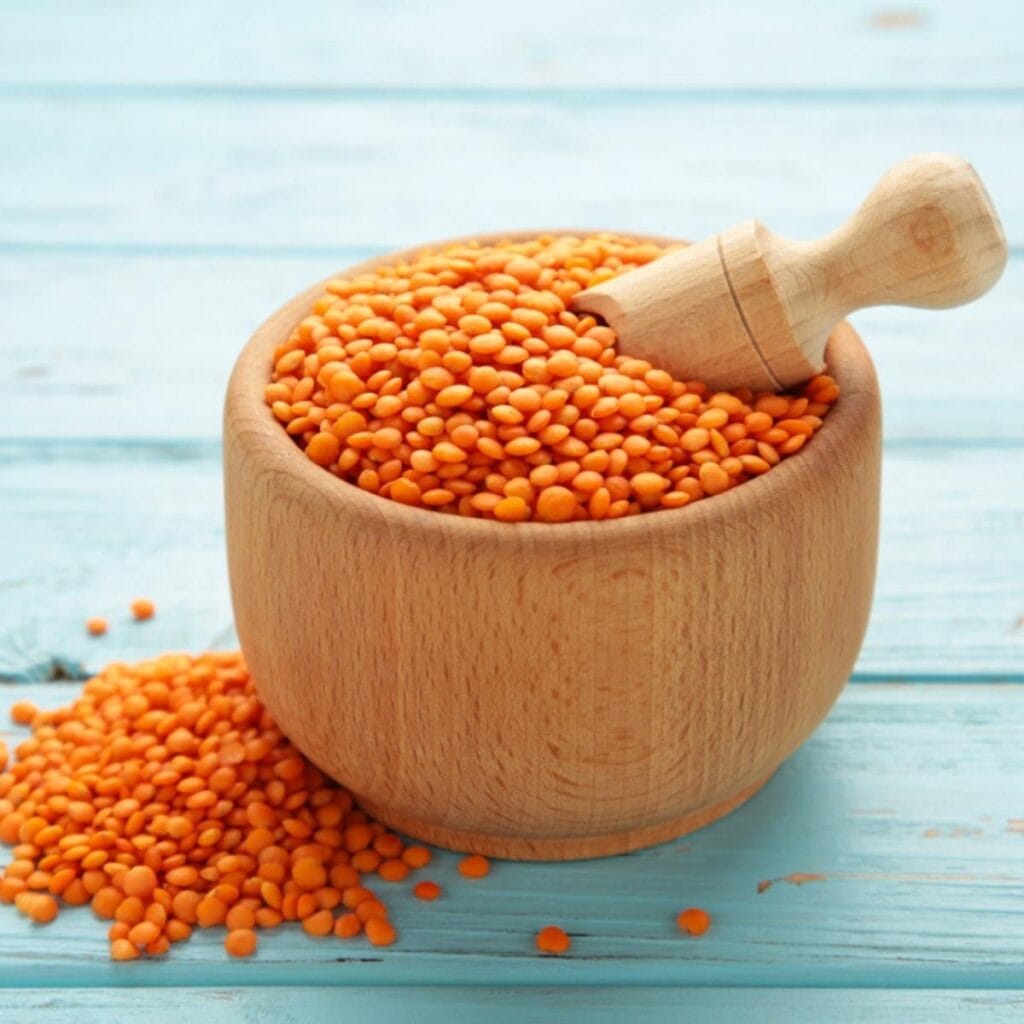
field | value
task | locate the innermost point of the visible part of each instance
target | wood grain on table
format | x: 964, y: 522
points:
x: 169, y: 175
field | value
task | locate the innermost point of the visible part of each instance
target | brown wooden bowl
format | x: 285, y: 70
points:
x: 550, y: 691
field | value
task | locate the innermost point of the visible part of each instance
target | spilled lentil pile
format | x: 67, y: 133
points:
x: 166, y: 797
x: 462, y: 381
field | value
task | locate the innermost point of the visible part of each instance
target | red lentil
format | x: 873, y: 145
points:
x: 394, y: 870
x: 426, y: 890
x: 414, y: 856
x: 123, y: 949
x: 369, y: 909
x: 459, y: 381
x: 347, y: 926
x: 143, y: 608
x: 553, y: 939
x: 240, y: 942
x: 380, y: 931
x: 474, y: 866
x: 319, y: 924
x: 22, y: 712
x: 96, y: 626
x: 694, y: 921
x: 40, y: 907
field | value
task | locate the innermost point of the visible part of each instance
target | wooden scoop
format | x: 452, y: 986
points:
x: 747, y: 307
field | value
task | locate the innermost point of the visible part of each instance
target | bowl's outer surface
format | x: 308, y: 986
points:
x: 541, y: 691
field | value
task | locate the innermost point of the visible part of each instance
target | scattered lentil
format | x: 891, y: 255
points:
x: 553, y: 939
x: 426, y: 890
x: 460, y: 381
x: 23, y: 711
x: 416, y: 856
x: 40, y: 907
x: 240, y: 942
x: 474, y: 866
x: 393, y: 870
x: 380, y: 931
x: 694, y: 921
x: 96, y: 626
x: 143, y: 608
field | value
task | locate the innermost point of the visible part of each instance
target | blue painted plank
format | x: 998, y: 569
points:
x: 905, y: 803
x: 83, y: 531
x: 604, y: 1005
x: 86, y: 527
x: 104, y: 171
x: 140, y: 347
x: 653, y: 43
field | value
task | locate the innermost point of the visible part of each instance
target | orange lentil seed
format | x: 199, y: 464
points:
x: 380, y: 931
x: 22, y: 712
x: 144, y: 933
x: 319, y: 924
x: 416, y: 856
x: 426, y: 890
x: 553, y: 939
x: 123, y: 949
x: 143, y: 608
x: 138, y: 881
x: 693, y: 921
x: 240, y: 942
x: 394, y: 870
x: 96, y: 626
x: 347, y: 926
x: 369, y: 909
x: 474, y: 866
x: 40, y: 907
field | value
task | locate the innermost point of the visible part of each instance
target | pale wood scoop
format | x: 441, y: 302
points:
x: 747, y: 307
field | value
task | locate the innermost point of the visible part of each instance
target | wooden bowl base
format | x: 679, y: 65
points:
x: 574, y: 848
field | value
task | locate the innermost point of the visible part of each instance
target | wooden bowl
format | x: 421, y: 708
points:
x: 550, y: 691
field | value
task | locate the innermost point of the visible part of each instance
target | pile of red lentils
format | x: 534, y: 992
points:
x: 462, y: 381
x: 166, y: 797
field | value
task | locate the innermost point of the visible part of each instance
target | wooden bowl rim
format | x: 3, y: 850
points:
x: 850, y: 365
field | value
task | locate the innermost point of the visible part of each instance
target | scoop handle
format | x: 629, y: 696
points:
x: 927, y: 235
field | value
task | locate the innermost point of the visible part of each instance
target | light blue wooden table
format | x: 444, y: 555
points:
x: 170, y: 173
